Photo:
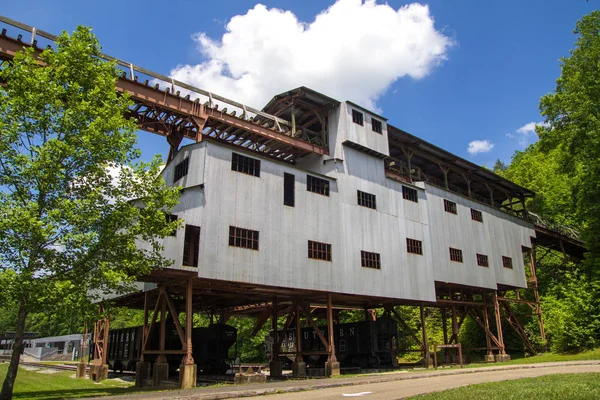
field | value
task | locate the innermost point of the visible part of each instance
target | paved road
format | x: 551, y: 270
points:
x: 411, y: 387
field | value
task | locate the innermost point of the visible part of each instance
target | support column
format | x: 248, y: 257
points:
x: 489, y: 357
x: 142, y: 368
x: 188, y: 370
x: 81, y: 367
x: 454, y: 336
x: 99, y: 367
x: 332, y: 366
x: 160, y: 370
x: 445, y: 331
x: 275, y: 364
x: 501, y: 356
x: 299, y: 366
x: 428, y: 363
x: 534, y: 282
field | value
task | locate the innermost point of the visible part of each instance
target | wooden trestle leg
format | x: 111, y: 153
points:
x: 99, y: 367
x: 299, y: 366
x: 428, y: 363
x: 332, y: 366
x: 188, y: 370
x: 275, y: 364
x: 501, y: 356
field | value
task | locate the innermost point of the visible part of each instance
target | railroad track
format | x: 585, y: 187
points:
x: 62, y: 367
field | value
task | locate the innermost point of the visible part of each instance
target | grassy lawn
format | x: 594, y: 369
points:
x: 549, y: 357
x: 555, y: 387
x: 37, y: 386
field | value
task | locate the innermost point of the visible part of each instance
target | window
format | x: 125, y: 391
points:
x: 245, y: 238
x: 410, y: 194
x: 450, y: 206
x: 370, y: 260
x: 507, y: 262
x: 414, y: 246
x: 376, y: 126
x: 191, y: 245
x: 181, y: 169
x: 366, y: 199
x: 317, y: 185
x: 476, y: 215
x: 319, y: 251
x: 482, y: 260
x: 171, y: 218
x: 289, y: 188
x: 245, y: 165
x: 357, y: 117
x: 456, y: 255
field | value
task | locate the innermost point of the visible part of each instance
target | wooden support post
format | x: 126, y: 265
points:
x: 489, y: 357
x: 426, y: 354
x: 275, y: 365
x: 163, y: 328
x: 188, y: 370
x: 538, y: 307
x: 445, y: 171
x: 332, y: 367
x: 299, y: 366
x: 502, y: 356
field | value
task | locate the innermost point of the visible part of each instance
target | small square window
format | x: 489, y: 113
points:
x: 317, y: 185
x: 450, y: 206
x: 482, y: 260
x: 414, y: 246
x: 410, y: 194
x: 507, y: 262
x: 376, y: 126
x: 456, y: 255
x: 476, y: 215
x: 357, y: 117
x: 370, y: 260
x: 366, y: 199
x: 319, y: 251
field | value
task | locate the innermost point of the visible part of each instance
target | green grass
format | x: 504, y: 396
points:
x: 37, y: 386
x: 548, y: 357
x: 555, y: 387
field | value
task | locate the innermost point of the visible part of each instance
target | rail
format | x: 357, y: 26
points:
x: 131, y: 69
x: 553, y: 226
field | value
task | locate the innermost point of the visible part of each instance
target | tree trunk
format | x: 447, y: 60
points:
x: 11, y: 375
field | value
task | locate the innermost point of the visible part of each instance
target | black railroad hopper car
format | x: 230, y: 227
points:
x: 364, y: 344
x: 210, y: 347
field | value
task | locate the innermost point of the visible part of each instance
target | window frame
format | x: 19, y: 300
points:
x: 476, y: 215
x: 181, y: 169
x: 507, y: 262
x: 319, y: 251
x: 367, y: 200
x: 482, y: 260
x: 376, y: 123
x: 245, y: 165
x: 289, y: 189
x: 191, y: 238
x: 414, y: 246
x: 358, y: 117
x: 408, y: 193
x: 171, y: 218
x: 456, y: 255
x: 317, y: 185
x: 370, y: 260
x: 244, y: 238
x: 450, y: 207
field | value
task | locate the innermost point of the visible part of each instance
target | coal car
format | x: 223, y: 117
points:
x: 364, y: 344
x: 210, y: 346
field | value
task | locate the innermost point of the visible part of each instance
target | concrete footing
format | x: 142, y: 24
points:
x: 427, y: 362
x: 250, y: 376
x: 142, y: 373
x: 275, y: 368
x: 489, y: 358
x: 187, y: 376
x: 502, y: 357
x: 98, y: 372
x: 160, y: 373
x: 332, y: 368
x: 81, y: 369
x: 299, y: 369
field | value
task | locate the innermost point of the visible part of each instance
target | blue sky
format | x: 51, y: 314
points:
x: 481, y: 67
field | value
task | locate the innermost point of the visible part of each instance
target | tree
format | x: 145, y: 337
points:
x: 574, y: 128
x: 68, y: 222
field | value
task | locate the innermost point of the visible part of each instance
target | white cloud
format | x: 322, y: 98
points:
x: 479, y: 146
x: 351, y: 51
x: 526, y: 133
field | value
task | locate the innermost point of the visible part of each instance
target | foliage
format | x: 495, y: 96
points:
x: 68, y: 178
